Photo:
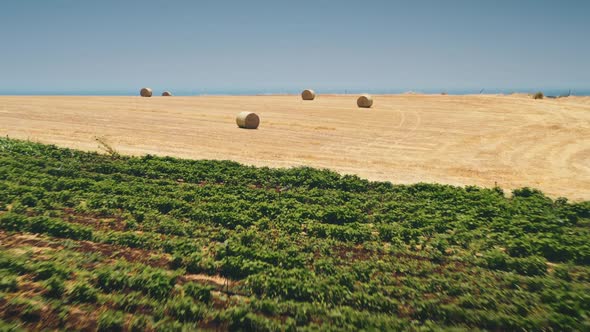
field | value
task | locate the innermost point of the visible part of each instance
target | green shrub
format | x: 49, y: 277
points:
x: 47, y: 269
x: 153, y: 282
x: 59, y: 228
x: 342, y: 215
x: 198, y: 292
x: 526, y: 192
x: 390, y: 232
x: 563, y: 272
x: 538, y: 95
x: 55, y: 287
x: 167, y: 325
x: 193, y: 262
x: 185, y: 309
x: 10, y: 326
x: 239, y: 267
x: 111, y: 321
x: 83, y: 292
x: 28, y: 200
x: 529, y: 266
x: 13, y: 222
x: 241, y: 319
x: 18, y: 207
x: 132, y: 239
x: 8, y: 282
x: 109, y: 279
x: 140, y: 323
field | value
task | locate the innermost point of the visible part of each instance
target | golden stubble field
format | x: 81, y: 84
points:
x: 512, y: 141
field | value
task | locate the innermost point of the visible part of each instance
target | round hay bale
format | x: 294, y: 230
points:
x: 146, y: 92
x: 308, y: 95
x: 247, y: 120
x: 365, y: 101
x: 166, y: 94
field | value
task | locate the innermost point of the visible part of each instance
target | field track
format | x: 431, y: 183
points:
x: 512, y: 141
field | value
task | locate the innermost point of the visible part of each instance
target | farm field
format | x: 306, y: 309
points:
x: 486, y: 140
x: 113, y: 243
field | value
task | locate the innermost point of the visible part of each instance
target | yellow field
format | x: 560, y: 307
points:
x: 511, y: 141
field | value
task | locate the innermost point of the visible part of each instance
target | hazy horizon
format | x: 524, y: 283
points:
x: 67, y: 46
x: 289, y: 91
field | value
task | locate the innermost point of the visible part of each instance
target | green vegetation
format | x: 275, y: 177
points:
x: 538, y: 95
x: 106, y: 242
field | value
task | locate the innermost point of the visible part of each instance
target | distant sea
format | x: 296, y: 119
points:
x: 247, y: 92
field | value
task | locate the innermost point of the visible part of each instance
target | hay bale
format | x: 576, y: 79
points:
x: 365, y: 101
x: 247, y: 120
x: 166, y: 94
x: 146, y: 92
x: 308, y: 95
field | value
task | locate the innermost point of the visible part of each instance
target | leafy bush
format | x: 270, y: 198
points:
x: 83, y: 292
x: 198, y: 292
x: 526, y: 192
x: 153, y: 282
x: 8, y: 282
x: 538, y: 95
x: 185, y: 309
x: 59, y: 228
x: 28, y: 200
x: 111, y: 321
x: 10, y: 326
x: 140, y: 323
x: 241, y: 319
x: 530, y: 266
x: 55, y: 287
x: 47, y: 269
x: 13, y: 222
x: 341, y: 215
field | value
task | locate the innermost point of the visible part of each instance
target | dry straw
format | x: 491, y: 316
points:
x: 247, y: 120
x: 308, y: 95
x: 166, y: 94
x: 365, y: 101
x: 146, y: 92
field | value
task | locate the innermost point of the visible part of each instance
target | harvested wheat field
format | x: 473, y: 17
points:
x: 512, y: 141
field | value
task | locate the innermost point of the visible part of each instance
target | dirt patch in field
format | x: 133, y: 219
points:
x: 352, y: 253
x: 113, y: 223
x: 151, y: 258
x: 214, y: 280
x: 37, y: 242
x: 81, y: 320
x: 34, y: 241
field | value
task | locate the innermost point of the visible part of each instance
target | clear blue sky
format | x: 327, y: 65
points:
x: 238, y: 45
